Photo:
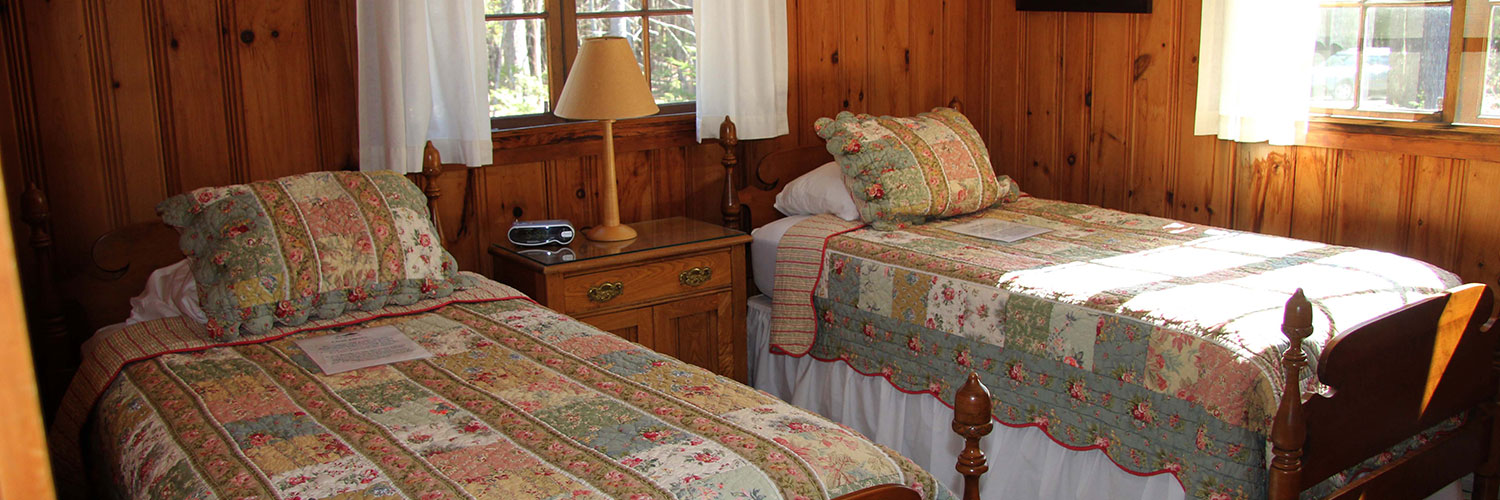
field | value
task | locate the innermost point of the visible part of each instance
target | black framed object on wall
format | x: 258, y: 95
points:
x: 1131, y: 6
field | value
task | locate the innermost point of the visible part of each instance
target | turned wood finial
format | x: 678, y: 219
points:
x: 1289, y: 432
x: 731, y: 209
x: 35, y: 212
x: 972, y: 421
x: 956, y: 104
x: 432, y: 168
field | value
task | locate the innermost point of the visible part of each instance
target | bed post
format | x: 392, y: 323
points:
x: 50, y: 338
x: 432, y: 168
x: 731, y: 209
x: 1289, y: 431
x: 1487, y: 477
x: 971, y: 419
x: 956, y: 104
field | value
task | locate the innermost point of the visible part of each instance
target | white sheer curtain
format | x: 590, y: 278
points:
x: 1255, y: 65
x: 742, y: 66
x: 421, y: 77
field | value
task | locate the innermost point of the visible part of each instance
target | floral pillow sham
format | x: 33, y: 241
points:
x: 314, y: 245
x: 905, y: 171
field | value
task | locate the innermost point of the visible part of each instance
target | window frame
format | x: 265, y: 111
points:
x: 562, y: 18
x: 1451, y: 79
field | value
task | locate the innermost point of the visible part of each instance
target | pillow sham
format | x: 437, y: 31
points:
x: 820, y: 191
x: 905, y: 171
x: 308, y: 246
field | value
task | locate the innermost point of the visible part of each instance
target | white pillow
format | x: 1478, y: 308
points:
x: 820, y: 191
x: 170, y: 291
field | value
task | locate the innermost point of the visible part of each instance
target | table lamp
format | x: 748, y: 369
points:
x: 606, y: 84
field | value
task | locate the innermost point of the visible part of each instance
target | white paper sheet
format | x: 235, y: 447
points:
x: 352, y: 350
x: 995, y: 229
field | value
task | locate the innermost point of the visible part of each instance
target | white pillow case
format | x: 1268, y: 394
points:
x: 170, y: 291
x: 820, y: 191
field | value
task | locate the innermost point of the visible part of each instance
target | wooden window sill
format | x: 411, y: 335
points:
x: 581, y: 138
x: 1426, y: 139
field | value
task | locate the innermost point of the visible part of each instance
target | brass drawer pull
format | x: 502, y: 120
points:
x: 607, y: 291
x: 695, y: 276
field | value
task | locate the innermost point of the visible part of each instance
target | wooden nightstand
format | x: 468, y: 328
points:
x: 678, y: 288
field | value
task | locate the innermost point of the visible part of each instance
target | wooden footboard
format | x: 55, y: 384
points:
x: 1392, y: 378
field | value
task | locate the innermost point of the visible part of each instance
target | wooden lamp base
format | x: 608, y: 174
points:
x: 619, y: 232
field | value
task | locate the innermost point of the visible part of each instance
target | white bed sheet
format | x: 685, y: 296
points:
x: 763, y: 243
x: 1024, y: 462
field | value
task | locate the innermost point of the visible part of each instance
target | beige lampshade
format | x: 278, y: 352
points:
x: 605, y: 83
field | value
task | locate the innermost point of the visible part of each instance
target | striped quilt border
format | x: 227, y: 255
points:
x: 799, y: 267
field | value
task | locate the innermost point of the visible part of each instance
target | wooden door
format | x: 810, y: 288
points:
x: 635, y: 325
x: 24, y: 472
x: 697, y: 330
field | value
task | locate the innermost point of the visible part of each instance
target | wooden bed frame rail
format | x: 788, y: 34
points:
x: 1391, y: 378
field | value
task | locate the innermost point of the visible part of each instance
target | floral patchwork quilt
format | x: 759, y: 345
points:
x: 518, y: 402
x: 1152, y: 340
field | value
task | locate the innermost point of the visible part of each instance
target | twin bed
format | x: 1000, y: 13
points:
x: 1130, y: 357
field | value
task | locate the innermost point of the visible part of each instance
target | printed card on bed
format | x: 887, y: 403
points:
x: 993, y: 229
x: 342, y: 352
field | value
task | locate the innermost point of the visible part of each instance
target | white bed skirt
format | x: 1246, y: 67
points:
x: 1024, y: 462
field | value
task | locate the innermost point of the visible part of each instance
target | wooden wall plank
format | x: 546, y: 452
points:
x: 334, y: 66
x: 1263, y: 189
x: 1006, y: 91
x: 925, y: 62
x: 511, y: 193
x: 1043, y: 85
x: 1154, y: 74
x: 819, y: 31
x: 1433, y: 224
x: 1313, y: 193
x: 196, y: 89
x: 134, y: 86
x: 1070, y: 172
x: 1110, y: 123
x: 1198, y: 181
x: 853, y: 54
x: 1478, y: 236
x: 888, y: 74
x: 275, y: 68
x: 1370, y: 187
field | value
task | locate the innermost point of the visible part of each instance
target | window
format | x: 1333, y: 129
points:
x: 1381, y: 58
x: 1416, y: 60
x: 530, y: 42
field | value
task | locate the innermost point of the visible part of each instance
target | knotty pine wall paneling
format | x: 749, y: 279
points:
x: 1098, y: 108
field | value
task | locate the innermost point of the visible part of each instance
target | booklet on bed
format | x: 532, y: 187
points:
x: 995, y: 229
x: 352, y: 350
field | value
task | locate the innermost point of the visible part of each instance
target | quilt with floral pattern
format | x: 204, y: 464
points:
x: 519, y: 402
x: 1152, y: 340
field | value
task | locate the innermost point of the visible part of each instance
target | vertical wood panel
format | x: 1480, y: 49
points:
x: 1071, y: 163
x: 1434, y: 220
x: 1153, y: 127
x: 134, y: 87
x: 276, y: 87
x: 196, y: 91
x: 1313, y: 200
x: 819, y: 33
x: 331, y: 23
x: 1478, y: 235
x: 1370, y: 187
x: 1199, y: 183
x: 1006, y: 90
x: 926, y: 57
x: 1263, y: 189
x: 1109, y: 124
x: 853, y: 53
x: 511, y: 193
x: 888, y: 75
x: 571, y: 187
x: 1043, y: 75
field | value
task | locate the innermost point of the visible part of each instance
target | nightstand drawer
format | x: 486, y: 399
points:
x: 638, y: 283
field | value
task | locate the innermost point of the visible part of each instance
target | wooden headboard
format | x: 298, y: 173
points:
x: 749, y: 193
x: 65, y: 309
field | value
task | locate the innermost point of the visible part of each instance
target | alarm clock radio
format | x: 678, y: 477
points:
x: 541, y: 232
